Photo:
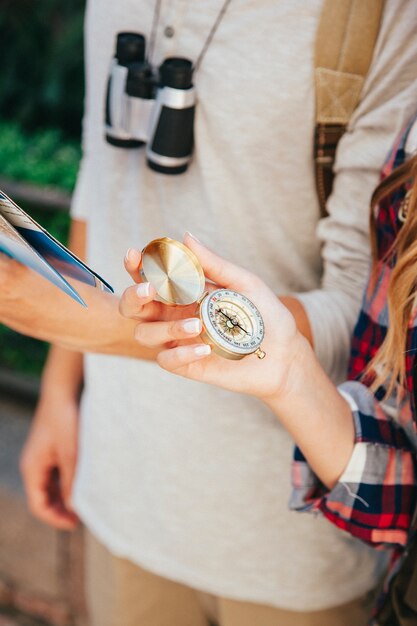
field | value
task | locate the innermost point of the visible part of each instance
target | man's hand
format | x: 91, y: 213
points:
x: 48, y: 461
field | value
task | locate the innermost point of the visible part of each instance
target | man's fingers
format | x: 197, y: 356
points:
x: 217, y: 269
x: 177, y: 358
x: 41, y: 503
x: 132, y: 262
x: 134, y: 300
x: 68, y: 463
x: 49, y: 515
x: 158, y: 333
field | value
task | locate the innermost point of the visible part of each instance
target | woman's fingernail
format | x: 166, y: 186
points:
x: 192, y: 326
x: 131, y: 255
x: 202, y: 350
x: 143, y: 290
x: 192, y: 236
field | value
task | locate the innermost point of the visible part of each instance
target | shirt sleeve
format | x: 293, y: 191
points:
x: 376, y: 495
x: 388, y: 100
x: 89, y: 169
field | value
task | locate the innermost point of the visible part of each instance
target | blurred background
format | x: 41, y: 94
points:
x: 41, y: 101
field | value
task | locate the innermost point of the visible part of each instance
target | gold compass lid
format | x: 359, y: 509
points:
x: 173, y: 270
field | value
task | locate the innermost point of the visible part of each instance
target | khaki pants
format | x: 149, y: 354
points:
x: 119, y: 593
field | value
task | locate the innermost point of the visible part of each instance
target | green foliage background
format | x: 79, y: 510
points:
x: 41, y: 49
x: 42, y: 157
x: 41, y: 102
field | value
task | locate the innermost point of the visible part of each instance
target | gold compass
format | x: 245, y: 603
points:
x: 232, y: 325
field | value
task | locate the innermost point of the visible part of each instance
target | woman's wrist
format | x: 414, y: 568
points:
x: 317, y: 417
x: 300, y: 361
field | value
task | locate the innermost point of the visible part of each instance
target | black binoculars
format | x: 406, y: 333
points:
x: 151, y: 107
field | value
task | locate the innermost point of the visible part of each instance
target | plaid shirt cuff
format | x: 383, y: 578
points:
x: 376, y: 495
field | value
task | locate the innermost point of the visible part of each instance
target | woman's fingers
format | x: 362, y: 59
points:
x: 176, y: 358
x: 132, y: 262
x: 159, y: 333
x: 137, y: 302
x: 217, y: 269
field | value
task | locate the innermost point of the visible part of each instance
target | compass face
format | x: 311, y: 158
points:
x: 232, y: 322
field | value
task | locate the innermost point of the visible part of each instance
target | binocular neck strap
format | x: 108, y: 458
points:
x: 155, y: 22
x: 211, y: 34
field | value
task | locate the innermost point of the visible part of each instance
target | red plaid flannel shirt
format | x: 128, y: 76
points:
x: 376, y: 496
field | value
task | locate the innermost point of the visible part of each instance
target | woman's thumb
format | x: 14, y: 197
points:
x: 217, y: 269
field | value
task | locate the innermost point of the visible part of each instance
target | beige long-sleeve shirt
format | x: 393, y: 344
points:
x: 190, y: 481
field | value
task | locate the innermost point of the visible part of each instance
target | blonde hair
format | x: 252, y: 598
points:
x: 388, y: 366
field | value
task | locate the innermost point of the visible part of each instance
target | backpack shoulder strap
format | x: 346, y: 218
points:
x: 344, y: 47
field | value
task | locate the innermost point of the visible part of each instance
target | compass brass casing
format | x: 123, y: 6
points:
x: 173, y: 270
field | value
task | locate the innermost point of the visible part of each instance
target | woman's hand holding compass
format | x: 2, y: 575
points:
x: 230, y: 325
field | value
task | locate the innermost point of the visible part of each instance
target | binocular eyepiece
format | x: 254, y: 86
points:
x: 130, y: 47
x: 152, y: 107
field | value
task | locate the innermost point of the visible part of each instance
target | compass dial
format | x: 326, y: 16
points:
x: 232, y: 324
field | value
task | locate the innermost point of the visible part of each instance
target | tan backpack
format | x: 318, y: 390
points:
x: 345, y: 42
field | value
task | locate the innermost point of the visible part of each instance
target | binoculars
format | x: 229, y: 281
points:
x: 150, y: 107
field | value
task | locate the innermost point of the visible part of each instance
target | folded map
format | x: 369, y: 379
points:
x: 26, y: 241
